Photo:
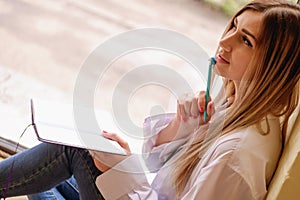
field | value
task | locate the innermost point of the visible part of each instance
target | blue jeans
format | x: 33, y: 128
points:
x: 46, y: 166
x: 64, y: 191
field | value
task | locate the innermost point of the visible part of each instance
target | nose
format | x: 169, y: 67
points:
x: 226, y: 42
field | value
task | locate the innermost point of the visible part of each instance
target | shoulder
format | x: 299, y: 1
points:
x: 248, y: 151
x: 256, y: 155
x: 250, y: 140
x: 247, y: 155
x: 256, y: 144
x: 248, y: 144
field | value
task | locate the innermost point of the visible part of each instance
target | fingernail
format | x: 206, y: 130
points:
x: 210, y: 106
x: 104, y: 131
x: 201, y: 109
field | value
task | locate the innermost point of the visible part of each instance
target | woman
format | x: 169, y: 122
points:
x: 231, y: 156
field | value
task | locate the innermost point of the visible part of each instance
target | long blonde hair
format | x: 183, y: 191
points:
x: 270, y: 84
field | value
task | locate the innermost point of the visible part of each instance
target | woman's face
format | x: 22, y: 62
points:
x: 238, y: 46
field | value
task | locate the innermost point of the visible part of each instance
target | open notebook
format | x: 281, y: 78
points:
x: 54, y: 123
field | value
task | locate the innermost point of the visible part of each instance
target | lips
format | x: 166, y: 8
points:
x: 221, y: 59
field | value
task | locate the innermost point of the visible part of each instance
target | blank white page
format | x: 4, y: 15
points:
x: 54, y: 123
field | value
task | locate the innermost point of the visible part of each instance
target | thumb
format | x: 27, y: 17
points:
x: 210, y: 108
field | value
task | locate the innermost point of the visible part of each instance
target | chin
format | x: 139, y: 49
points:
x: 217, y: 71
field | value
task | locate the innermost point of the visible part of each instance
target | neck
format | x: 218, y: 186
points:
x: 236, y: 87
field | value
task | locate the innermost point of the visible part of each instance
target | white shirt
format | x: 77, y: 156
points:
x: 237, y: 166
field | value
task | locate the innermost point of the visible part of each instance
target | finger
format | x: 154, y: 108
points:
x: 118, y: 139
x: 183, y: 114
x: 210, y: 108
x: 194, y: 108
x: 178, y: 115
x: 201, y: 101
x: 210, y: 112
x: 187, y: 108
x: 184, y: 105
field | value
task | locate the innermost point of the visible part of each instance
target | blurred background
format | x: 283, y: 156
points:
x: 229, y: 7
x: 44, y: 44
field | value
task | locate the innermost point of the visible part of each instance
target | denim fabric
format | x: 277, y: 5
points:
x: 47, y: 165
x: 52, y: 194
x: 64, y: 191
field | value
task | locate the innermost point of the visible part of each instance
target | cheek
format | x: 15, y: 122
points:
x: 241, y: 64
x: 239, y: 68
x: 239, y: 74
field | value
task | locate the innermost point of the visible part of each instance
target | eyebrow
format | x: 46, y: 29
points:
x: 245, y: 30
x: 248, y: 33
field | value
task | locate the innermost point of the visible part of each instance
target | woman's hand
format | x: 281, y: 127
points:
x: 190, y: 115
x: 190, y: 107
x: 210, y: 109
x: 104, y: 161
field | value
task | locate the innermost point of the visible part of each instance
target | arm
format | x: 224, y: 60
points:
x: 166, y: 133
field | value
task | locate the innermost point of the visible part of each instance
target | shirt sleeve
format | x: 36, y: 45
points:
x: 156, y: 156
x: 152, y: 126
x: 126, y: 180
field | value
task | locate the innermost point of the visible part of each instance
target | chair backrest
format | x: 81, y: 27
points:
x: 286, y: 181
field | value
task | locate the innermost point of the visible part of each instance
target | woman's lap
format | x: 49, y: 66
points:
x: 44, y: 167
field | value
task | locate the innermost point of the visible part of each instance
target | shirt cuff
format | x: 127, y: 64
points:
x: 152, y: 126
x: 122, y: 178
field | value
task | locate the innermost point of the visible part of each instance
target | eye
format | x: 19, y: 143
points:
x: 247, y: 41
x: 234, y: 26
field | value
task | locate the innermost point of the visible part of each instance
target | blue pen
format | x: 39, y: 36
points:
x: 211, y: 64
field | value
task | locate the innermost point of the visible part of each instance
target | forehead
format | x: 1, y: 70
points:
x: 250, y: 20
